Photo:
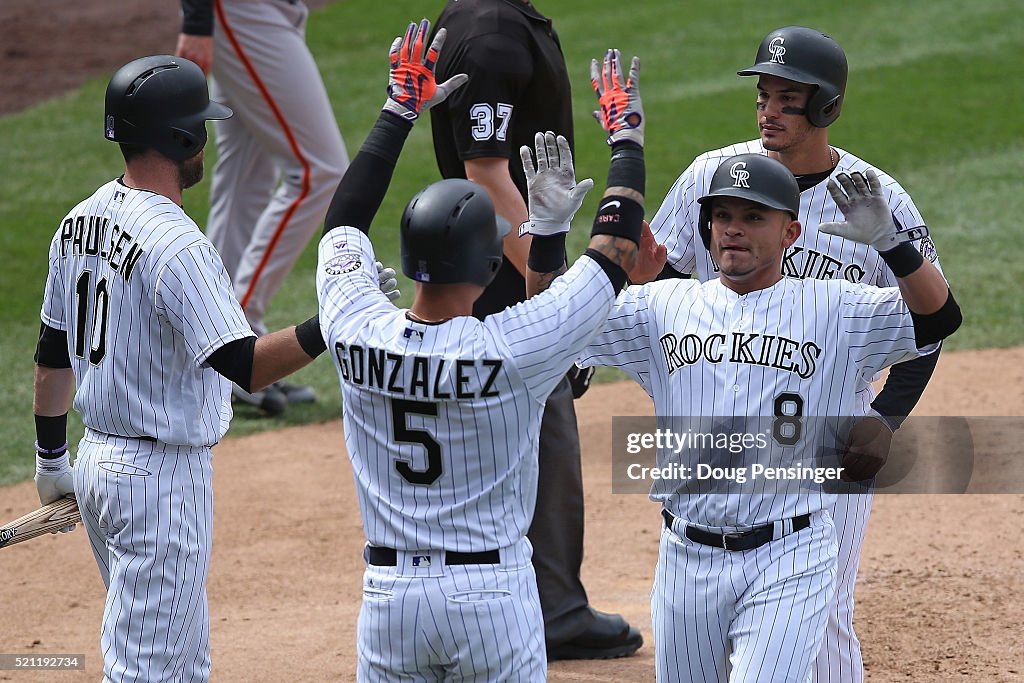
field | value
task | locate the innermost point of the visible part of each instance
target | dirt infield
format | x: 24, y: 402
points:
x: 940, y: 582
x: 938, y: 596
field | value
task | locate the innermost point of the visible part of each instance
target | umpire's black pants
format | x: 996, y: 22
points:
x: 557, y: 528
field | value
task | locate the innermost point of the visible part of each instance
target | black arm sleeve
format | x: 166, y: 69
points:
x: 903, y: 388
x: 197, y: 17
x: 934, y: 327
x: 52, y: 348
x: 234, y: 361
x: 366, y: 181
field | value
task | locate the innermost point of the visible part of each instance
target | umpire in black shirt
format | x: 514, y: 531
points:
x: 517, y: 86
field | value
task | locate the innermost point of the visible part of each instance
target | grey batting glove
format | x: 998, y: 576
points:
x: 411, y: 86
x: 553, y: 193
x: 868, y: 216
x: 621, y: 113
x: 388, y: 281
x: 54, y: 480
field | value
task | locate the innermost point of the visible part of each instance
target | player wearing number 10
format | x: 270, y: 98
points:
x: 138, y: 311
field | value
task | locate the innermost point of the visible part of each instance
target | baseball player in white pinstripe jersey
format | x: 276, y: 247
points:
x: 442, y: 411
x: 801, y: 82
x: 138, y: 311
x: 744, y: 581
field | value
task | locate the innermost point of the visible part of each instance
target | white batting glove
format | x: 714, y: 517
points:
x: 387, y: 281
x: 868, y: 216
x: 621, y: 114
x: 411, y: 86
x: 554, y: 195
x: 54, y: 480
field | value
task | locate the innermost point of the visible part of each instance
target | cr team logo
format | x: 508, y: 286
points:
x: 740, y: 174
x: 777, y: 49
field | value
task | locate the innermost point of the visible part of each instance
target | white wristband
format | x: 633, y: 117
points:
x: 52, y: 466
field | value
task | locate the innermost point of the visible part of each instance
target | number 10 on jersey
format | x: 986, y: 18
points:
x: 100, y: 312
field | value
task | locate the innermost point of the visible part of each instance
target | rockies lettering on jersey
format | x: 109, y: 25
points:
x: 815, y: 255
x: 751, y: 348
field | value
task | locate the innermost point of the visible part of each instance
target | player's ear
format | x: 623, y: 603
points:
x: 791, y: 233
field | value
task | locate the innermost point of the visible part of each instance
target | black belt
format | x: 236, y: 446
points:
x: 736, y: 540
x: 122, y: 436
x: 388, y: 557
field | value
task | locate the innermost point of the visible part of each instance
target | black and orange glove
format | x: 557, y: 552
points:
x: 411, y: 85
x: 621, y: 113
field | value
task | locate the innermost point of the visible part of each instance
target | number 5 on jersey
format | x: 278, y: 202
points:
x: 400, y: 410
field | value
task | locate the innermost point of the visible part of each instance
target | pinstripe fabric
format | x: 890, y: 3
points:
x: 144, y: 299
x: 814, y: 255
x: 175, y: 308
x: 701, y: 349
x: 734, y: 367
x: 148, y: 511
x: 452, y: 623
x: 442, y: 425
x: 757, y: 615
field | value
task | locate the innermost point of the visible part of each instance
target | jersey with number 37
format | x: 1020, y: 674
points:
x: 442, y: 420
x: 795, y: 350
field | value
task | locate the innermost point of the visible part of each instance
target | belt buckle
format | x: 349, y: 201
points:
x: 733, y: 535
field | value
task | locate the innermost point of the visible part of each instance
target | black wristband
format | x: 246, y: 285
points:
x: 627, y: 167
x: 311, y: 339
x: 616, y: 275
x: 620, y: 217
x: 52, y: 432
x: 547, y: 253
x: 902, y: 260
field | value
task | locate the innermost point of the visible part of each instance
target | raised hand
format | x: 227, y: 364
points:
x: 621, y: 114
x: 412, y: 88
x: 554, y: 195
x: 868, y: 216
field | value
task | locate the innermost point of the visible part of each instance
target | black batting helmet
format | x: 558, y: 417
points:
x: 754, y: 177
x: 161, y: 102
x: 805, y: 55
x: 450, y: 234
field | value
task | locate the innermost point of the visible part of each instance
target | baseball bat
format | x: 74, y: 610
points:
x: 46, y: 519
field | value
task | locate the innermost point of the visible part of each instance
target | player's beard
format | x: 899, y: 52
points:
x: 190, y: 171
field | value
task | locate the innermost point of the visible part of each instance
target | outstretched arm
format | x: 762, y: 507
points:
x: 411, y: 91
x: 554, y: 195
x: 869, y: 221
x: 934, y: 312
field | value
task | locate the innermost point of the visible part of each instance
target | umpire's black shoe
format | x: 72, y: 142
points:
x: 602, y: 636
x: 269, y: 400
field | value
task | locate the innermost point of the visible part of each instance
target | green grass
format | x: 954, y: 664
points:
x: 931, y: 99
